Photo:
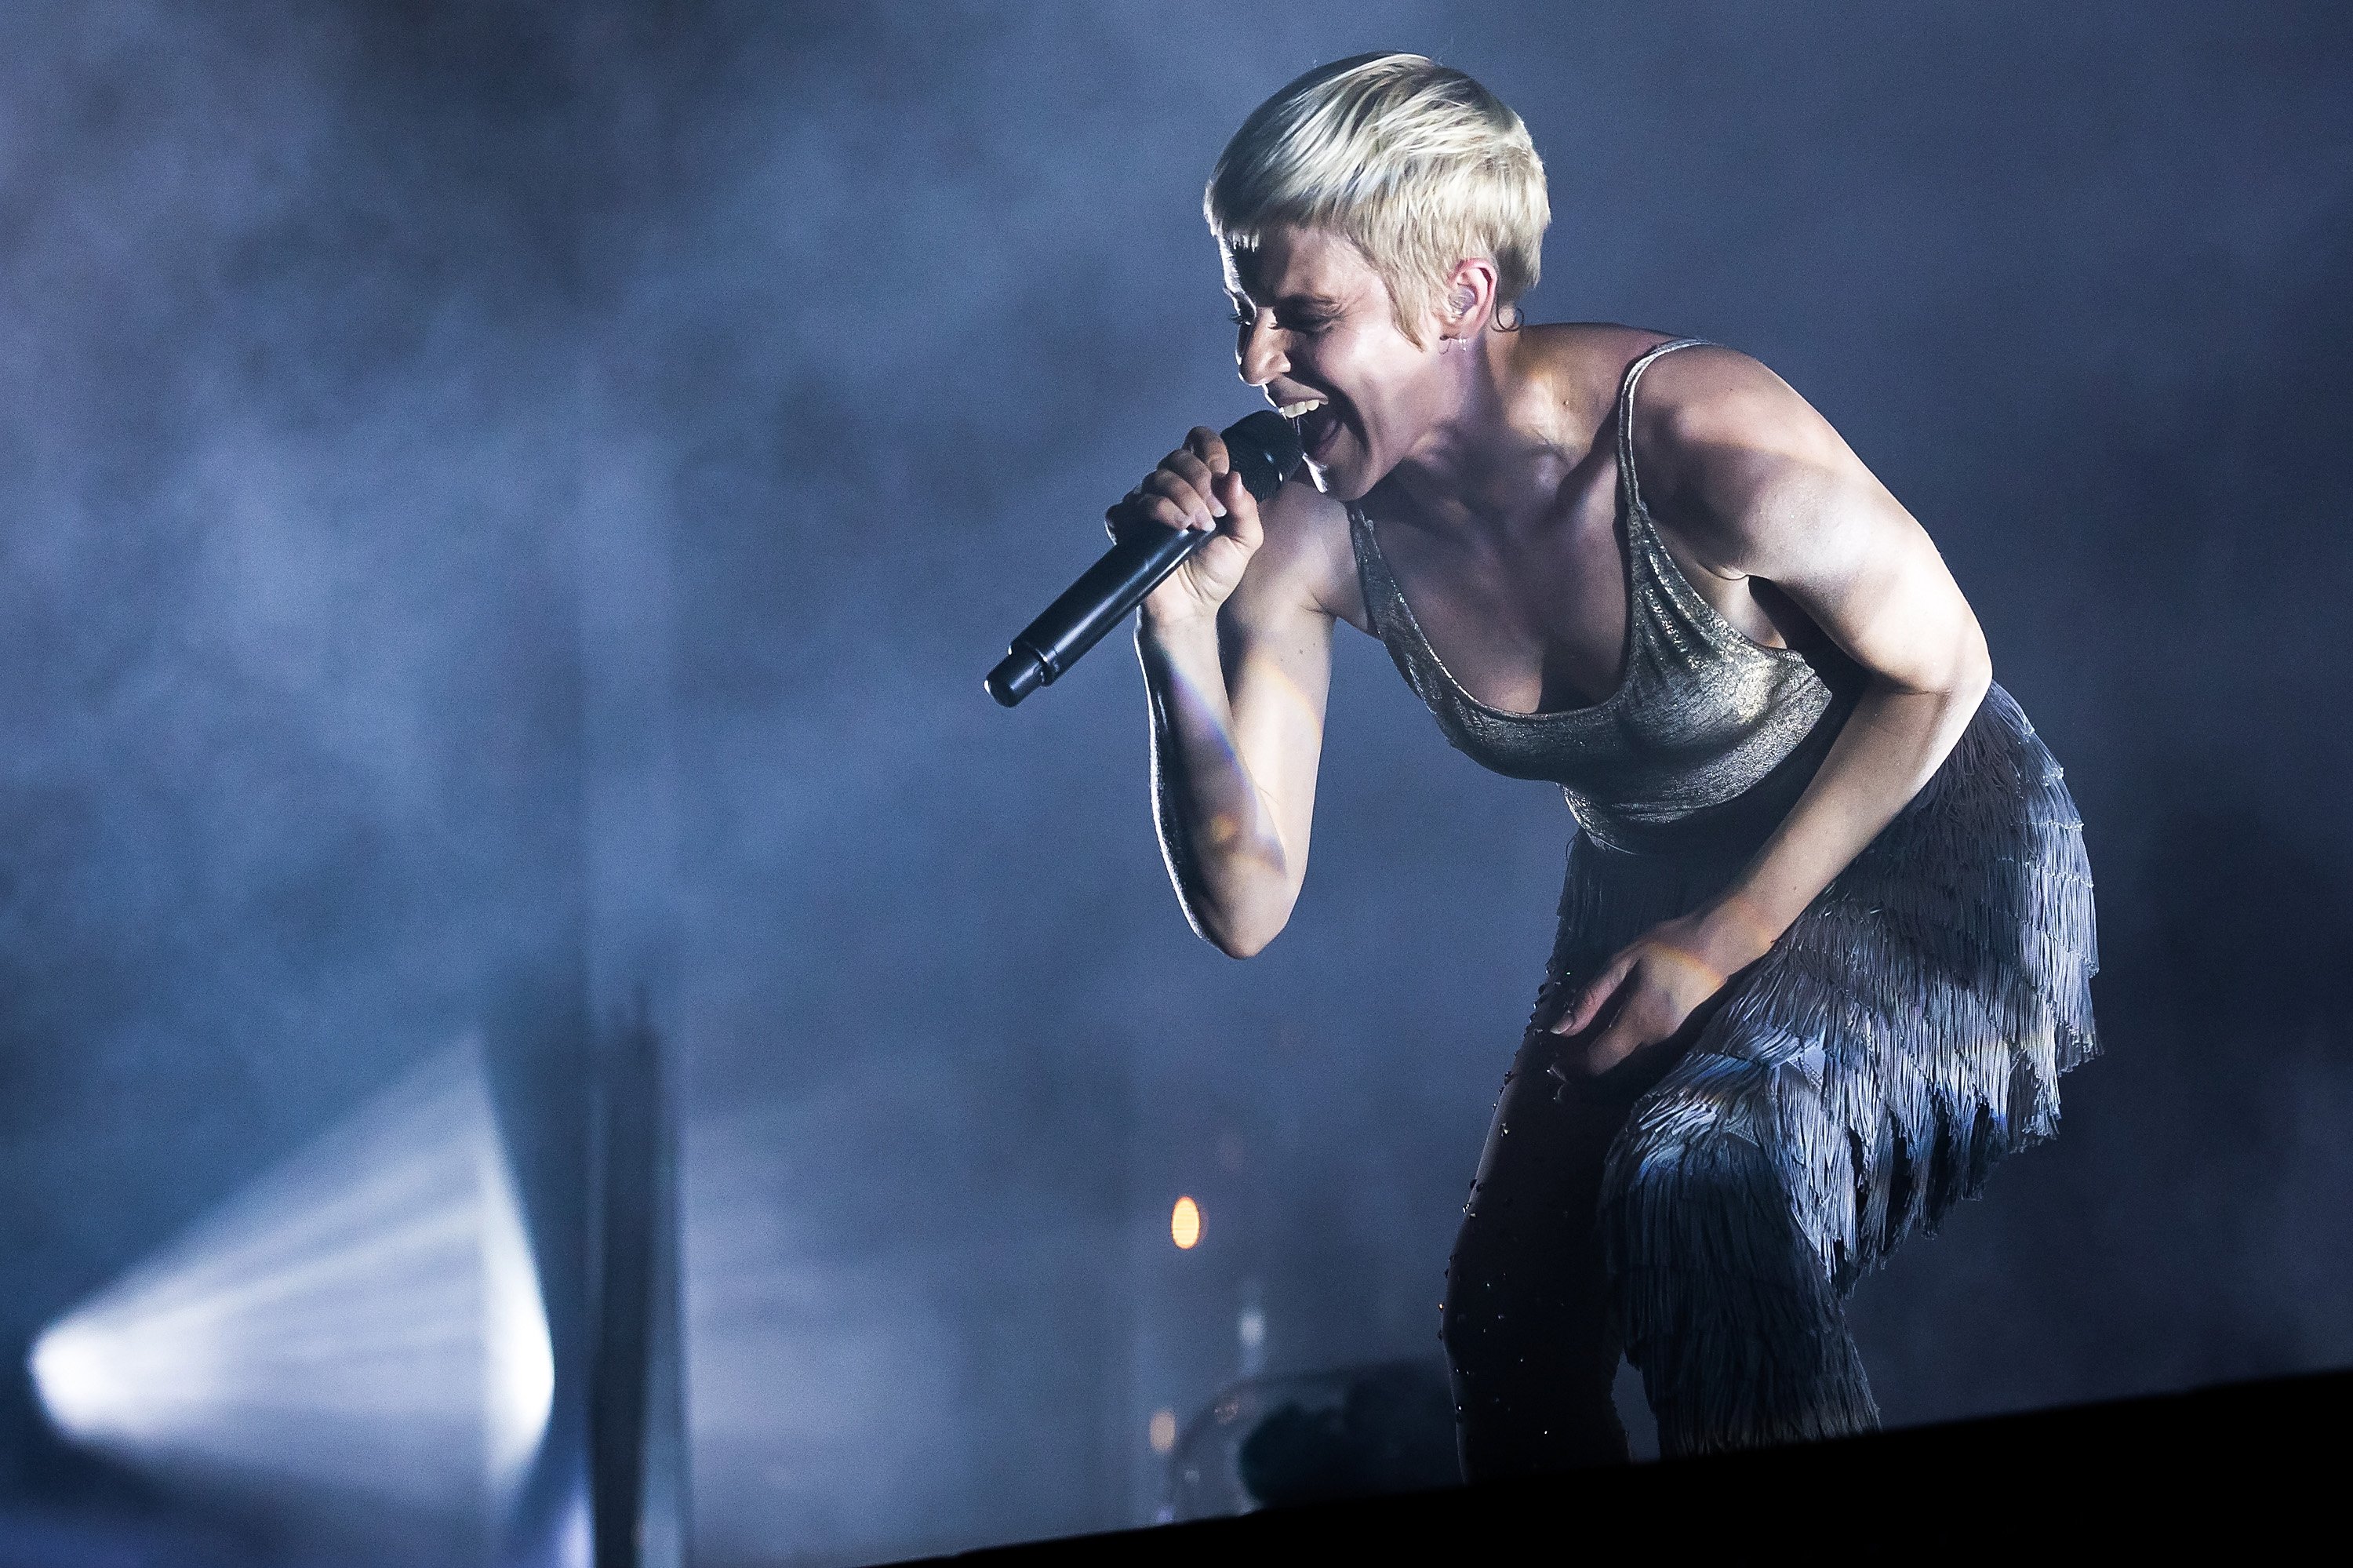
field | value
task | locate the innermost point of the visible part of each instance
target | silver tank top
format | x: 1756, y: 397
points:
x: 1710, y: 735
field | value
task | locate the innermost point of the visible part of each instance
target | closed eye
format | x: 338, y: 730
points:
x: 1306, y: 325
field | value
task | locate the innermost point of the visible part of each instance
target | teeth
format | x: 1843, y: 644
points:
x: 1305, y: 406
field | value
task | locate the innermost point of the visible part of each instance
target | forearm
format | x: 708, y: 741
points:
x: 1891, y: 745
x: 1223, y: 848
x: 1759, y: 486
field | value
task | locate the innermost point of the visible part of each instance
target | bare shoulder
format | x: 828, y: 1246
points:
x: 1745, y: 472
x: 1577, y: 366
x: 1705, y: 394
x: 1602, y: 349
x: 1306, y: 564
x: 1707, y: 402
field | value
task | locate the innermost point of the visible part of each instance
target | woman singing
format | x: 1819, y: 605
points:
x: 1826, y: 937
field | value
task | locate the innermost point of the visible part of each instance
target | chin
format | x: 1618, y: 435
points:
x: 1343, y: 481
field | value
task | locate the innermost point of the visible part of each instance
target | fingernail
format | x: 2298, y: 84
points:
x: 1217, y: 509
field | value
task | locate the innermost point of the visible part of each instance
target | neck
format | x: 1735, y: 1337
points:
x: 1479, y: 465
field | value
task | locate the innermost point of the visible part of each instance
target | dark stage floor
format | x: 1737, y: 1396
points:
x: 2248, y: 1467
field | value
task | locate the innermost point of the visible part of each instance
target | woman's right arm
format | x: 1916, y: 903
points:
x: 1237, y: 652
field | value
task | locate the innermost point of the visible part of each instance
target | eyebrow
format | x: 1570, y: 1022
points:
x: 1291, y: 303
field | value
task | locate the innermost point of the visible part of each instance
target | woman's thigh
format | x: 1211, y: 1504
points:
x: 1528, y: 1319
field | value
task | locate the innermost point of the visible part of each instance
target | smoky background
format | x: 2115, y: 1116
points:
x: 526, y: 485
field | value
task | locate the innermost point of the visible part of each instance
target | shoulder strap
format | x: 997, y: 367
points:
x: 1626, y: 478
x: 1373, y: 579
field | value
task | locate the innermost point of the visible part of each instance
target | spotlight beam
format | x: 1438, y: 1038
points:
x: 364, y: 1319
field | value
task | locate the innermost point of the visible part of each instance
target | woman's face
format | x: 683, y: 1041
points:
x: 1319, y: 334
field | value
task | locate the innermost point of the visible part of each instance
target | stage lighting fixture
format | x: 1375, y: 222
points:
x: 365, y: 1320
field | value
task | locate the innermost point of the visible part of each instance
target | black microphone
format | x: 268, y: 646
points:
x: 1264, y: 449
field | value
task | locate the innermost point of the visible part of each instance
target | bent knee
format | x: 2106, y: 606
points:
x: 1694, y: 1195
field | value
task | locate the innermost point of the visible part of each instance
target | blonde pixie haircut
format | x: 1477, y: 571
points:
x: 1415, y: 163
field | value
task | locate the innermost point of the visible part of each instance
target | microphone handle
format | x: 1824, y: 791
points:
x: 1264, y: 448
x: 1099, y: 601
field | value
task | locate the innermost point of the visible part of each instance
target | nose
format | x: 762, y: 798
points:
x: 1257, y: 352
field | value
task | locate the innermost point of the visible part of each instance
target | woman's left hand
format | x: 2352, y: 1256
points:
x: 1654, y: 986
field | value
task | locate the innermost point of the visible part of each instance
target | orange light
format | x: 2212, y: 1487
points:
x: 1185, y: 1224
x: 1163, y: 1430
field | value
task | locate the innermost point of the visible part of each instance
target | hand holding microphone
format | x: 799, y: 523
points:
x: 1169, y: 522
x: 1195, y: 488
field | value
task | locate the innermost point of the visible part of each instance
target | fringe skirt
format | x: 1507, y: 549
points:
x: 1906, y: 1033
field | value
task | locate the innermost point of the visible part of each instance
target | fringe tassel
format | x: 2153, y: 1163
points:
x: 1903, y: 1037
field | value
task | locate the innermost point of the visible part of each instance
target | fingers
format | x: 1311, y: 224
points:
x: 1144, y: 505
x: 1651, y: 991
x: 1209, y: 447
x: 1188, y: 481
x: 1188, y: 504
x: 1194, y: 487
x: 1241, y: 508
x: 1614, y: 1045
x: 1634, y: 1024
x: 1164, y: 498
x: 1595, y: 996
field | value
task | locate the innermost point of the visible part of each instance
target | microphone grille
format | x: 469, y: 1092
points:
x: 1264, y: 449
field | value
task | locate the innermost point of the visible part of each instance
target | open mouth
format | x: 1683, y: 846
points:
x: 1317, y: 424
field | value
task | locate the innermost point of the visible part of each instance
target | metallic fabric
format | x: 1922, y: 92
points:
x: 1901, y: 1036
x: 1709, y: 734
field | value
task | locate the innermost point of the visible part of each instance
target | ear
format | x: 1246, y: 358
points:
x: 1469, y: 298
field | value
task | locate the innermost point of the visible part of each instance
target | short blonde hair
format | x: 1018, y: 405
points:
x: 1415, y: 163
